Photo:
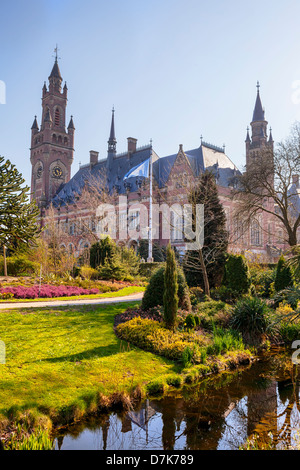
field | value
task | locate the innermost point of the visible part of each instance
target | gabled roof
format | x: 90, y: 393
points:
x: 206, y: 157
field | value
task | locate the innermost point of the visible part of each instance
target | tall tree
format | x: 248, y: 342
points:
x: 269, y: 185
x: 204, y: 266
x: 18, y: 216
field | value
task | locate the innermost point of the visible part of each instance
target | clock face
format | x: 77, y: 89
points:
x: 39, y: 172
x: 57, y: 172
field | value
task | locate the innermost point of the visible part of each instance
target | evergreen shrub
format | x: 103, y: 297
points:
x: 154, y: 292
x: 237, y: 274
x: 283, y: 277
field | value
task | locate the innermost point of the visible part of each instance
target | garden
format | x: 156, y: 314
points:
x: 117, y: 355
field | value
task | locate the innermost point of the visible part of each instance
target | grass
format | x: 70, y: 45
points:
x: 120, y: 293
x: 61, y: 361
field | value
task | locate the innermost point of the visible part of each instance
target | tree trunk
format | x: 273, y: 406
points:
x: 4, y: 261
x: 204, y: 272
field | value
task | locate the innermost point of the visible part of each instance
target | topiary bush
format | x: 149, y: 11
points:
x: 237, y: 275
x: 154, y: 292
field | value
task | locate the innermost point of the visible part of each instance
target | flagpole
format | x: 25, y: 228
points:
x: 150, y: 259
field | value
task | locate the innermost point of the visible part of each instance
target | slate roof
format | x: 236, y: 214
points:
x: 55, y: 71
x: 206, y: 157
x: 258, y: 113
x: 294, y: 199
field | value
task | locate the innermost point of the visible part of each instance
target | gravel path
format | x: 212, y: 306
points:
x: 62, y: 303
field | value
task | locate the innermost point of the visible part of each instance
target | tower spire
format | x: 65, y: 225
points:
x: 112, y: 142
x: 55, y: 78
x: 259, y: 112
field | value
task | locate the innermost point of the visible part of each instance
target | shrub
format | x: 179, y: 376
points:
x: 18, y: 265
x: 100, y: 250
x: 263, y: 278
x: 196, y: 295
x: 237, y: 274
x: 147, y: 269
x: 6, y: 295
x: 88, y: 273
x: 283, y: 277
x: 190, y: 322
x: 213, y: 313
x: 154, y: 292
x: 152, y: 336
x: 289, y: 332
x: 46, y: 291
x: 291, y: 296
x: 251, y: 317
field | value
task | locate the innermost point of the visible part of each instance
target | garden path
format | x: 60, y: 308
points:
x: 62, y: 303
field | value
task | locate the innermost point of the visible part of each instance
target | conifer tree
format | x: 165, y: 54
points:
x: 283, y: 278
x: 204, y: 267
x: 18, y: 216
x: 170, y: 298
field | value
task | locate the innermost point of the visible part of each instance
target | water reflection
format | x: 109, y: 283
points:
x: 216, y: 414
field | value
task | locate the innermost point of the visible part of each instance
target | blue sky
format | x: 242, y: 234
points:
x: 173, y: 69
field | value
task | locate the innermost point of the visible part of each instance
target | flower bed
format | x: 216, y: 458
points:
x: 46, y: 291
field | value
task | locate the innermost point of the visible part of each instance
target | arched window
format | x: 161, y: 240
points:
x: 255, y: 233
x: 57, y: 117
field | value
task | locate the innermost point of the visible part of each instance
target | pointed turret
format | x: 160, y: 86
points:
x: 112, y: 142
x: 259, y: 112
x: 55, y: 78
x: 35, y: 126
x: 71, y: 124
x: 55, y: 73
x: 248, y: 136
x: 271, y: 137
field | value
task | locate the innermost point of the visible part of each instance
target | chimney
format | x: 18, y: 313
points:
x: 93, y: 157
x: 295, y: 179
x: 131, y: 144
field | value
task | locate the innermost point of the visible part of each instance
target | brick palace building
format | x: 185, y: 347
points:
x: 73, y: 202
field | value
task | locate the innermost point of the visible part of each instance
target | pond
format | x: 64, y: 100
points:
x: 218, y: 413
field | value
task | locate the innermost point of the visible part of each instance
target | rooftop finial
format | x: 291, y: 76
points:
x: 257, y: 86
x: 56, y: 53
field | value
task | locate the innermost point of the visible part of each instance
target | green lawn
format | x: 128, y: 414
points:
x: 120, y: 293
x: 61, y: 358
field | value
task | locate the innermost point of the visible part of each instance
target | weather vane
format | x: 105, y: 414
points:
x: 56, y: 52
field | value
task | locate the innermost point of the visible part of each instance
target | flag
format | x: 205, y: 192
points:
x: 140, y: 170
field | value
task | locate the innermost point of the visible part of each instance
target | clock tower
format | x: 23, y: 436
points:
x: 52, y: 145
